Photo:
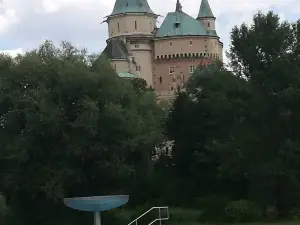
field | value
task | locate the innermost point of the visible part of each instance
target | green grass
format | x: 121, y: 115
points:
x: 275, y: 223
x: 255, y: 223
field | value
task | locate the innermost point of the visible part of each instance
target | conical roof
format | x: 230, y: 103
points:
x: 131, y: 6
x: 205, y: 10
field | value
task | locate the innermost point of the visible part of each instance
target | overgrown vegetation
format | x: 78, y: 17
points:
x: 70, y: 127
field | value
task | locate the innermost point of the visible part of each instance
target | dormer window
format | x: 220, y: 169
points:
x: 176, y: 24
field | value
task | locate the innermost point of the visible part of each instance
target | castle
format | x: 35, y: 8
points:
x: 164, y: 56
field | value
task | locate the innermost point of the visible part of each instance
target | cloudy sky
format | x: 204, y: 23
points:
x: 24, y: 24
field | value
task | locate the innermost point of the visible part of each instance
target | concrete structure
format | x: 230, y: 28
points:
x: 166, y: 56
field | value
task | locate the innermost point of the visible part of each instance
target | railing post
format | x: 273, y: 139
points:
x: 136, y: 222
x: 159, y: 216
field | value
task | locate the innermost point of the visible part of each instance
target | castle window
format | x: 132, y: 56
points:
x: 177, y: 55
x: 191, y: 42
x: 181, y: 55
x: 136, y: 46
x: 192, y: 68
x: 208, y: 24
x: 135, y: 25
x: 118, y: 27
x: 171, y: 43
x: 182, y: 76
x: 169, y: 56
x: 176, y: 24
x: 138, y: 68
x: 172, y: 89
x: 201, y: 54
x: 190, y: 55
x: 173, y: 55
x: 157, y: 57
x: 160, y: 80
x: 171, y: 69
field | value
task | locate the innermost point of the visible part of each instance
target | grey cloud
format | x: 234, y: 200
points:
x: 81, y: 27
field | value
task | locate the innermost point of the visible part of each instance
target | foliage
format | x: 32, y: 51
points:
x: 236, y: 133
x: 242, y: 211
x: 69, y: 127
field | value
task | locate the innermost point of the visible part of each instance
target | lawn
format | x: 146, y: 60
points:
x: 275, y: 223
x: 256, y: 223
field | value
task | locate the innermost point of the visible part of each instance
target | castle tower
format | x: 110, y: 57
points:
x: 208, y: 21
x: 182, y: 44
x: 130, y: 28
x: 206, y: 17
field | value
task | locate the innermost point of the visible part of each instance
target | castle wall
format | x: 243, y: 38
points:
x: 168, y: 75
x: 131, y: 24
x: 143, y: 67
x: 208, y: 24
x: 120, y: 65
x: 187, y: 46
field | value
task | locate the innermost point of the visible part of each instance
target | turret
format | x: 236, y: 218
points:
x: 206, y: 17
x: 130, y: 30
x: 131, y: 17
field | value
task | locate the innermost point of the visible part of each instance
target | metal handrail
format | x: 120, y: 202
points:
x: 158, y: 219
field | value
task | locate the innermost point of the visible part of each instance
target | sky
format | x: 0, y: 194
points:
x: 24, y: 24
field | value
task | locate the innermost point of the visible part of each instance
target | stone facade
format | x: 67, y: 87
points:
x: 166, y: 56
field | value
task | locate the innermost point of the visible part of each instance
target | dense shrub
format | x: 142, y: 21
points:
x: 179, y: 215
x: 213, y: 208
x: 242, y: 211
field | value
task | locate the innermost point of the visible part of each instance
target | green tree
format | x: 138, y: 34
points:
x: 69, y: 127
x: 237, y: 133
x: 267, y: 53
x: 202, y: 120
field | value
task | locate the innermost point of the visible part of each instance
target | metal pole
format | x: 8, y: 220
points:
x: 159, y: 216
x: 97, y: 218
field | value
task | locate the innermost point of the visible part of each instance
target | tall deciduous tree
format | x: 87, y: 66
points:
x: 241, y: 128
x: 69, y: 127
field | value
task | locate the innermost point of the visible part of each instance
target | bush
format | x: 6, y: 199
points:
x: 178, y: 215
x: 213, y: 208
x: 242, y: 211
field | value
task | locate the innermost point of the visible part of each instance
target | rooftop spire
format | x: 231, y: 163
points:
x: 178, y: 6
x: 131, y: 6
x: 205, y: 10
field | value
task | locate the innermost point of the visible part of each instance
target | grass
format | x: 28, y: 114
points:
x: 275, y: 223
x: 179, y: 216
x: 255, y: 223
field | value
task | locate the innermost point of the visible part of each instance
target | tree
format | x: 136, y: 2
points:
x: 202, y: 120
x: 239, y: 130
x: 267, y: 54
x: 69, y: 127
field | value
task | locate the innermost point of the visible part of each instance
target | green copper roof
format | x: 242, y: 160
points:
x: 205, y: 10
x: 116, y: 49
x: 126, y: 75
x: 131, y: 6
x: 180, y: 24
